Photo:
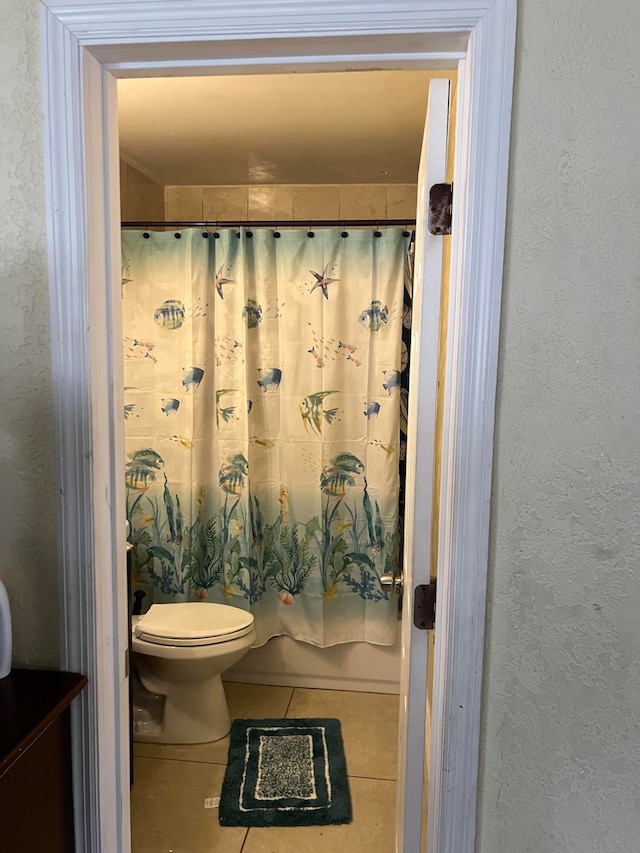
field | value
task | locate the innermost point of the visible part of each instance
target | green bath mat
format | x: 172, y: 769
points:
x: 285, y: 773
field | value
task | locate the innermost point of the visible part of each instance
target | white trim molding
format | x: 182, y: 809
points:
x: 87, y: 44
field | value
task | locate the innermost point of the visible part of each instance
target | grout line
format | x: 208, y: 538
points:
x: 244, y: 840
x: 373, y: 778
x: 293, y: 690
x: 183, y: 760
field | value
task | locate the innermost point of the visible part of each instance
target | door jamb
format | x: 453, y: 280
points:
x: 85, y: 43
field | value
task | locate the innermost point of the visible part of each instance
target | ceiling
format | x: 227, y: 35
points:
x: 333, y: 128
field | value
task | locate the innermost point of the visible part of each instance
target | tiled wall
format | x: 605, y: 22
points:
x: 140, y: 197
x: 283, y: 202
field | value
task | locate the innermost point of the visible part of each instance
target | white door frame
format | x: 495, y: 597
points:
x: 85, y: 45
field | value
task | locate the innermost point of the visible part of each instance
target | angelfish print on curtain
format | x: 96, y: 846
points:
x: 262, y: 406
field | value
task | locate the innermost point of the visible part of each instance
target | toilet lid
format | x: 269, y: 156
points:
x: 193, y: 624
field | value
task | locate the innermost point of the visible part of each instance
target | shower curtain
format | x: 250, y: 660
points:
x: 262, y: 411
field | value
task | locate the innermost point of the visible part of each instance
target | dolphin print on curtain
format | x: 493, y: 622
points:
x: 262, y: 406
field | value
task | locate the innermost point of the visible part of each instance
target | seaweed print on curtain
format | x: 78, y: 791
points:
x: 262, y: 402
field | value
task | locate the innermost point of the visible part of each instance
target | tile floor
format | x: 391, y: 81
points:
x: 167, y: 800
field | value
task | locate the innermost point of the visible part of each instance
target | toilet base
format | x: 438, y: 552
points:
x: 192, y: 713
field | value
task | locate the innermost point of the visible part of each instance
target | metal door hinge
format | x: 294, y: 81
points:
x: 440, y: 202
x: 424, y: 606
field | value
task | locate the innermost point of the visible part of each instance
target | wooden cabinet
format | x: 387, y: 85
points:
x: 36, y: 801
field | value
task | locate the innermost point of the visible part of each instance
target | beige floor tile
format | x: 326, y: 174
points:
x: 244, y: 701
x: 167, y: 809
x: 256, y: 700
x: 369, y: 726
x: 372, y: 829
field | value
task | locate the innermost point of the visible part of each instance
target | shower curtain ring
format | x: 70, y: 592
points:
x: 276, y: 233
x: 205, y: 233
x: 177, y: 235
x: 248, y: 233
x: 216, y: 233
x: 145, y: 233
x: 310, y: 233
x: 377, y: 232
x: 344, y: 233
x: 239, y: 232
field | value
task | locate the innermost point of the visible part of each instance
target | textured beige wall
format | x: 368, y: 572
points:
x: 560, y: 764
x: 27, y: 493
x: 140, y: 197
x: 560, y: 741
x: 291, y: 201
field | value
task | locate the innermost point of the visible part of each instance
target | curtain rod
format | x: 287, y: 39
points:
x: 268, y: 223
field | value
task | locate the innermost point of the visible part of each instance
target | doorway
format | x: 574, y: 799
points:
x: 82, y: 50
x: 249, y: 152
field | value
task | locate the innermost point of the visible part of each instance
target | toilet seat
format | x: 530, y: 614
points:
x: 192, y: 624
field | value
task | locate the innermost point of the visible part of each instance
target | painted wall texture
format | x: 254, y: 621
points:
x: 27, y: 489
x: 560, y: 745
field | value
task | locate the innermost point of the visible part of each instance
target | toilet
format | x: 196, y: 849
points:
x: 179, y: 653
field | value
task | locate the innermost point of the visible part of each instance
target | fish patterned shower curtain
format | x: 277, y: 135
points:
x: 262, y: 412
